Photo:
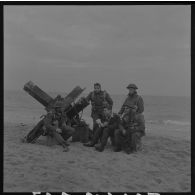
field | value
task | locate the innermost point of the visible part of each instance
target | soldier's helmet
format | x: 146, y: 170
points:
x: 132, y: 85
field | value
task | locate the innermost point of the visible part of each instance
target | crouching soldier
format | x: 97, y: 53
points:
x: 105, y: 129
x: 56, y: 126
x: 132, y: 128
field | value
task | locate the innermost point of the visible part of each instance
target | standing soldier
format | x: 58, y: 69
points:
x: 99, y: 99
x: 133, y: 99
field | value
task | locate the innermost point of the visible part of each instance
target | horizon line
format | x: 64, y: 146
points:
x: 111, y: 93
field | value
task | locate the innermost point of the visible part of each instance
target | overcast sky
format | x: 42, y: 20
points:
x: 59, y: 47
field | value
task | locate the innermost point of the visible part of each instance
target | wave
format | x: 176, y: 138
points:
x: 177, y: 122
x: 167, y: 122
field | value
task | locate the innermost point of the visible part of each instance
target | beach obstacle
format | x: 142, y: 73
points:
x: 69, y: 107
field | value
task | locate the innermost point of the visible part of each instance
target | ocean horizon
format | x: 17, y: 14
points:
x: 164, y: 110
x: 85, y: 94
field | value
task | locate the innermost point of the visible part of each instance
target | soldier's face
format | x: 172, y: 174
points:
x: 131, y: 90
x: 107, y: 112
x: 97, y: 88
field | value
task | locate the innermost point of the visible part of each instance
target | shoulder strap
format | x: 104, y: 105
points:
x: 92, y: 95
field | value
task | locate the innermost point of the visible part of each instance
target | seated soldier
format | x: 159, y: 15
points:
x: 105, y: 130
x: 56, y: 127
x: 132, y: 128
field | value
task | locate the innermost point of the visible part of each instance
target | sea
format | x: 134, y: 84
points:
x: 20, y: 107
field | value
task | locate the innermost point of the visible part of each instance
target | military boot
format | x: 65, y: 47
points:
x: 99, y: 147
x: 128, y: 150
x: 89, y: 144
x: 65, y: 148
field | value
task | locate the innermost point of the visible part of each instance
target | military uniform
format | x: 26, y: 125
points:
x: 103, y: 133
x: 99, y: 101
x: 107, y: 131
x: 131, y: 141
x: 54, y: 121
x: 133, y: 100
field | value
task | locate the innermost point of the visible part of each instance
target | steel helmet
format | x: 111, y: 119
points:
x: 132, y: 86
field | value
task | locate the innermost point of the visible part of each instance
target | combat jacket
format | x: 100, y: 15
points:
x: 133, y: 100
x: 99, y: 100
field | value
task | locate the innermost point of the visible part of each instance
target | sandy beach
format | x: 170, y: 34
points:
x: 164, y: 165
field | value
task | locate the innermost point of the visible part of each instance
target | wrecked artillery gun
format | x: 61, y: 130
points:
x: 69, y: 107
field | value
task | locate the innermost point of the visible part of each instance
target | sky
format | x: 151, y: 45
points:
x: 60, y: 47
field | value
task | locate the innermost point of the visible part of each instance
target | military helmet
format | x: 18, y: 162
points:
x: 132, y: 86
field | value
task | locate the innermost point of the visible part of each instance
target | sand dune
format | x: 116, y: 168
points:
x: 162, y: 166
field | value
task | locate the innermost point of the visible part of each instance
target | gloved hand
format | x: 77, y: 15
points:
x: 59, y: 130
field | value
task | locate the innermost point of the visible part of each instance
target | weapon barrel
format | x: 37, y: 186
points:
x: 38, y: 93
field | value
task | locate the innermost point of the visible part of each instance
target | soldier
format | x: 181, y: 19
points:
x: 56, y: 125
x: 132, y: 128
x: 105, y: 129
x: 133, y: 99
x: 99, y: 99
